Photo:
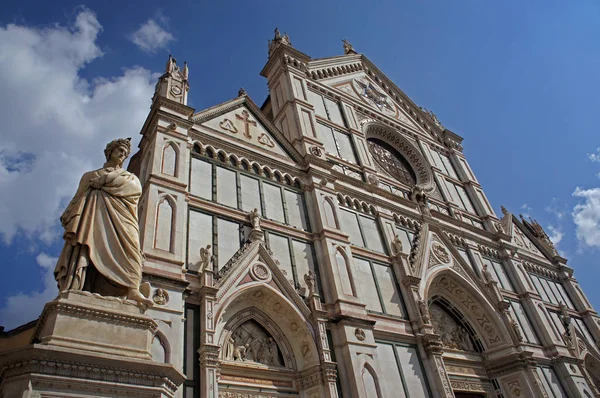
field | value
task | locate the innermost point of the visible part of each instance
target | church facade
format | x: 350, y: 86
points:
x: 334, y: 242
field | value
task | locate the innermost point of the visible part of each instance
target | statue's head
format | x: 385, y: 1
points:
x: 118, y: 150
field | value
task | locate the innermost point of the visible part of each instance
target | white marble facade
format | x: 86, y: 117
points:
x: 321, y: 299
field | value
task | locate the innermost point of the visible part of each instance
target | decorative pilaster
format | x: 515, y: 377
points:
x: 209, y: 350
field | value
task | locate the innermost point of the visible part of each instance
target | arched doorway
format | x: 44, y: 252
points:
x: 592, y: 366
x: 267, y: 344
x: 467, y: 326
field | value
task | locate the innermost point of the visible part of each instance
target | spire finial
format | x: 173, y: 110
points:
x: 278, y: 39
x: 348, y: 48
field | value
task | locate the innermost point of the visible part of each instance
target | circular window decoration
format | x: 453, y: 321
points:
x: 391, y: 161
x: 260, y: 272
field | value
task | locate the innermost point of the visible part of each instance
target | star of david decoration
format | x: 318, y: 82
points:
x: 370, y: 92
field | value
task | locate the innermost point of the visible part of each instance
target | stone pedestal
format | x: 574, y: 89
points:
x: 87, y: 345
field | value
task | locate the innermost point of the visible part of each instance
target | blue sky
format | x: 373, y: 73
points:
x: 518, y: 80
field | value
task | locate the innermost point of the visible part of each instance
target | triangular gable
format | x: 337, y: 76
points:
x: 522, y: 241
x: 439, y: 252
x: 241, y: 120
x: 342, y: 72
x: 253, y: 264
x: 366, y: 90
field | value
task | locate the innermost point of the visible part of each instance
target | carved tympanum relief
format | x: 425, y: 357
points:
x: 452, y: 334
x: 250, y: 342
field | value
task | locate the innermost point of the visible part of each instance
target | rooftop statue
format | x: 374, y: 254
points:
x: 102, y: 252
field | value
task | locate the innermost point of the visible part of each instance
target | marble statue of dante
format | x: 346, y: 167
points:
x: 102, y: 238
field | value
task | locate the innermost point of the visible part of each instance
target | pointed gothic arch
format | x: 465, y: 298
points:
x: 161, y: 349
x: 474, y: 307
x: 170, y: 159
x: 345, y: 271
x: 290, y: 328
x: 330, y: 213
x: 165, y: 223
x: 370, y: 381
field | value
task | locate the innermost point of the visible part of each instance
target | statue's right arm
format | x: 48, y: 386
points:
x: 81, y: 190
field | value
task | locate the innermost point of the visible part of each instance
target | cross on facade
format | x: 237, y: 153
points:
x: 247, y: 122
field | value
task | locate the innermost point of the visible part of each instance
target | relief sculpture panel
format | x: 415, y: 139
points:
x: 250, y: 342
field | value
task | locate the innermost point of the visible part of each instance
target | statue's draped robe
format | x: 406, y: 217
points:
x: 101, y: 230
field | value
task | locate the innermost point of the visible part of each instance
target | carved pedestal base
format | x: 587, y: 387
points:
x: 87, y: 345
x: 89, y: 322
x: 256, y: 234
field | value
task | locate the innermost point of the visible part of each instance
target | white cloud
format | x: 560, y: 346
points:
x: 586, y: 216
x: 555, y: 235
x: 594, y: 157
x: 526, y: 210
x: 55, y: 123
x: 557, y: 209
x: 151, y: 37
x: 24, y: 307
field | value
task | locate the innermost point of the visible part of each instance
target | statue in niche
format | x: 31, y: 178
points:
x: 309, y: 279
x: 255, y: 220
x: 516, y: 329
x: 102, y: 252
x: 396, y: 246
x: 251, y: 343
x: 491, y: 283
x: 205, y: 258
x: 424, y: 310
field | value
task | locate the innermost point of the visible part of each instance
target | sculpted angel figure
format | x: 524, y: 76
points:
x: 102, y: 252
x: 205, y: 258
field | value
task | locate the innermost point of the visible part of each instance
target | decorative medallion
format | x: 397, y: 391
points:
x: 372, y: 179
x: 315, y: 150
x: 360, y: 334
x: 160, y: 297
x: 440, y: 252
x: 176, y: 90
x: 260, y: 272
x: 227, y: 125
x: 266, y: 140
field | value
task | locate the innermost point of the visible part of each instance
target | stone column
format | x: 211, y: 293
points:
x: 439, y: 382
x: 209, y: 349
x: 328, y: 367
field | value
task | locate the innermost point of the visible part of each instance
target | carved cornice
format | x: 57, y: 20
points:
x: 541, y: 270
x: 23, y: 363
x: 317, y: 72
x: 509, y: 364
x: 101, y: 314
x: 252, y: 166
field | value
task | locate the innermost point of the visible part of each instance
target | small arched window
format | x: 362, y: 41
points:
x: 391, y: 161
